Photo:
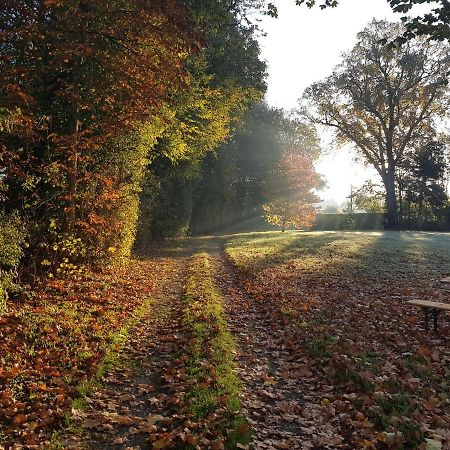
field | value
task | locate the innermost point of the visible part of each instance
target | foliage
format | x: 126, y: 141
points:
x: 123, y: 161
x: 233, y: 184
x: 96, y: 76
x: 433, y: 24
x: 383, y: 100
x: 166, y: 201
x: 222, y: 81
x: 349, y: 221
x: 290, y: 191
x: 422, y: 180
x: 230, y: 189
x: 12, y: 240
x: 370, y: 198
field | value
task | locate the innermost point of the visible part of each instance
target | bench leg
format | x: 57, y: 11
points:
x: 427, y: 316
x: 434, y: 313
x: 435, y: 319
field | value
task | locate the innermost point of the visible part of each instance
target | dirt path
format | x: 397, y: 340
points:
x: 281, y: 395
x: 136, y: 405
x: 140, y: 404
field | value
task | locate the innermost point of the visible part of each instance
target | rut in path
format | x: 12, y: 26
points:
x: 134, y: 403
x: 280, y: 397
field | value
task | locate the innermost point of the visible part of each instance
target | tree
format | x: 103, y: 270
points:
x: 383, y: 100
x: 223, y: 80
x: 370, y: 197
x: 74, y: 77
x: 233, y: 183
x: 434, y: 24
x: 290, y: 191
x: 422, y: 180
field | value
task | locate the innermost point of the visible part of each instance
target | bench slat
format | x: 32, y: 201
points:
x: 428, y: 304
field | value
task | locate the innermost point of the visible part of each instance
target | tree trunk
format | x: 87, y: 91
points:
x: 72, y: 172
x: 401, y: 212
x: 72, y: 155
x: 391, y: 200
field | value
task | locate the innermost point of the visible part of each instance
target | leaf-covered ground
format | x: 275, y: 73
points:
x: 174, y: 384
x: 280, y: 396
x: 283, y: 341
x: 339, y: 301
x: 53, y: 345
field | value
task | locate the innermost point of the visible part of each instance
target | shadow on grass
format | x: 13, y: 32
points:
x: 425, y: 255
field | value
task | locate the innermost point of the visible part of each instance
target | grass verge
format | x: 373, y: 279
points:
x: 215, y: 387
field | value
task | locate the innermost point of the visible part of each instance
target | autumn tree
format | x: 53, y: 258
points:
x: 291, y: 191
x: 75, y: 76
x: 223, y: 80
x: 233, y: 181
x: 383, y: 100
x: 231, y: 188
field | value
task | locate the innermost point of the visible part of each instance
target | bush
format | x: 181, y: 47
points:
x: 12, y: 237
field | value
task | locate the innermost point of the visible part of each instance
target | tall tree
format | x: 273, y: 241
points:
x: 74, y: 76
x: 223, y: 80
x: 383, y: 100
x: 233, y: 183
x: 230, y: 191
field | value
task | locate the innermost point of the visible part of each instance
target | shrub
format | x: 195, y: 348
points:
x: 12, y: 237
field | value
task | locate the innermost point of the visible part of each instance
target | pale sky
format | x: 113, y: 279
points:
x: 303, y: 46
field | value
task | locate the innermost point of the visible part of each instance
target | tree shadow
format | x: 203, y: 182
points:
x: 182, y: 247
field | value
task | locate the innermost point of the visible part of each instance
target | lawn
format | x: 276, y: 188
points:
x: 339, y: 297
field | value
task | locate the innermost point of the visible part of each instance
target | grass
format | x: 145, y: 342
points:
x: 211, y: 366
x: 404, y: 253
x: 343, y: 297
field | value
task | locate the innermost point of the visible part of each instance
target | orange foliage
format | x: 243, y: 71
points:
x: 292, y: 191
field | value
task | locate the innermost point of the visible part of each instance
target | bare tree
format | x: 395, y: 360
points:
x: 383, y: 100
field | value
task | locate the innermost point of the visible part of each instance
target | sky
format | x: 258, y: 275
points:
x: 302, y: 46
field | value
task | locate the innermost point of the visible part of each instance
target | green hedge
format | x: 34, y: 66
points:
x: 356, y: 221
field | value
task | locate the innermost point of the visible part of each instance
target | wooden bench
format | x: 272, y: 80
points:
x: 431, y: 310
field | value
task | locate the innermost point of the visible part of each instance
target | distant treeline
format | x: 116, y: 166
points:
x: 324, y: 222
x: 373, y: 221
x: 348, y: 221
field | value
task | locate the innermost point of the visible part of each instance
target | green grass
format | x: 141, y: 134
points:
x: 211, y: 366
x: 402, y: 253
x: 343, y: 295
